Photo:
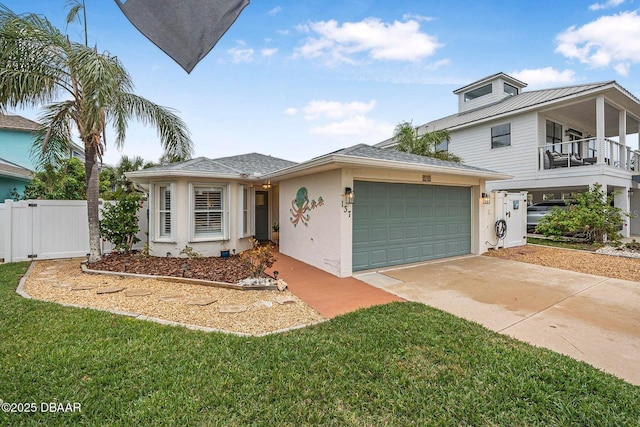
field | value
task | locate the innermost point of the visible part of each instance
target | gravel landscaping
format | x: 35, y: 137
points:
x: 607, y: 265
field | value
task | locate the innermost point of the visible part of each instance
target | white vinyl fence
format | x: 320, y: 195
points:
x: 47, y: 229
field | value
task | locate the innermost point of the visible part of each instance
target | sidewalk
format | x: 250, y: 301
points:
x: 331, y: 296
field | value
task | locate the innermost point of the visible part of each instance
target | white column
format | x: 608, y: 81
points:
x: 622, y: 137
x: 621, y: 200
x: 600, y: 128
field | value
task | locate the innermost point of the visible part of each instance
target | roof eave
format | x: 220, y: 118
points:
x: 146, y: 176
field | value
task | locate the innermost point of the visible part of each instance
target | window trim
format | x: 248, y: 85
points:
x: 493, y: 137
x: 466, y: 94
x: 515, y: 90
x: 246, y: 208
x: 157, y: 235
x: 224, y: 198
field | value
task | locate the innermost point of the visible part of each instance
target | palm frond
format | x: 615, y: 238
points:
x: 53, y: 138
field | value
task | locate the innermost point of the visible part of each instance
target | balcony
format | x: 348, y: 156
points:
x: 588, y: 152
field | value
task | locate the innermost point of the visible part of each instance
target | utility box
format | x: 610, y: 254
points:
x: 510, y: 214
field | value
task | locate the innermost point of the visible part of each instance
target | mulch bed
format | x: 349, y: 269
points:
x: 230, y: 270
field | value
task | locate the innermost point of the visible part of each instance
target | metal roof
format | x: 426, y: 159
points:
x: 512, y: 104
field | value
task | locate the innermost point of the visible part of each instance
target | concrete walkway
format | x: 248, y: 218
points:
x: 590, y: 318
x: 329, y: 295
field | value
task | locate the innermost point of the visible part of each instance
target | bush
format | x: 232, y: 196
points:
x: 119, y: 223
x: 258, y: 258
x: 591, y: 216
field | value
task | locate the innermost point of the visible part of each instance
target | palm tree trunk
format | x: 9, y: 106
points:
x: 92, y: 174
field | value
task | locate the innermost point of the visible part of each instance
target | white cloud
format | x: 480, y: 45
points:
x: 544, y: 77
x: 335, y: 110
x: 335, y: 43
x: 608, y: 41
x: 292, y: 111
x: 365, y: 128
x: 239, y: 54
x: 409, y: 16
x: 274, y: 11
x: 267, y: 52
x: 607, y: 5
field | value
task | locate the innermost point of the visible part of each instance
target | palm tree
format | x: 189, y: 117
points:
x: 408, y: 140
x: 39, y: 64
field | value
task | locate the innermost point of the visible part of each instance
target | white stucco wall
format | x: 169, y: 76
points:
x: 319, y: 240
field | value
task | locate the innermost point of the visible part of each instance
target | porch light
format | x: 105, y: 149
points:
x: 266, y: 185
x: 486, y: 199
x: 630, y: 192
x: 349, y: 196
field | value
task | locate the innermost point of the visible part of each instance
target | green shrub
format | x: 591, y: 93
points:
x: 119, y: 223
x: 591, y: 216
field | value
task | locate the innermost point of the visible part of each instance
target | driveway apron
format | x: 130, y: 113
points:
x: 590, y: 318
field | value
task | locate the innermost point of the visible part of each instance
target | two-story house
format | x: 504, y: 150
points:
x: 16, y: 163
x: 554, y: 142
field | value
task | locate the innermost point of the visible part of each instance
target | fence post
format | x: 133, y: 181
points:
x: 8, y: 227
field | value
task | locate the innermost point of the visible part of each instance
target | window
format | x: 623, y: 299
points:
x: 246, y: 211
x: 208, y: 214
x: 477, y: 93
x: 554, y: 136
x: 511, y: 90
x: 501, y: 135
x: 164, y: 211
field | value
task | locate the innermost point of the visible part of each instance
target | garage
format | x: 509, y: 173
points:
x: 395, y: 223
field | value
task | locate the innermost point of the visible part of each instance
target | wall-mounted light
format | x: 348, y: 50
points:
x: 349, y: 196
x: 266, y: 185
x: 486, y: 198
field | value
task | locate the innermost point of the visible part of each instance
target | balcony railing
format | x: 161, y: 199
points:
x: 588, y: 152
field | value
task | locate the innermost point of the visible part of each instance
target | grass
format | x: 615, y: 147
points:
x: 399, y: 364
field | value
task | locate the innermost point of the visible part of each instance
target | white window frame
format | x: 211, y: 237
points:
x: 157, y: 222
x: 224, y: 221
x: 493, y: 145
x: 246, y: 209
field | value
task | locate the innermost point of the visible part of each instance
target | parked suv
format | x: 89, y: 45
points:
x: 536, y: 211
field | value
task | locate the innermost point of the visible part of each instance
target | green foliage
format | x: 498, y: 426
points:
x: 119, y: 223
x: 62, y: 181
x: 113, y: 181
x: 591, y: 216
x: 190, y: 252
x: 258, y: 258
x: 427, y: 144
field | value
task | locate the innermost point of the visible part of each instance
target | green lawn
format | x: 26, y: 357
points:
x: 400, y: 364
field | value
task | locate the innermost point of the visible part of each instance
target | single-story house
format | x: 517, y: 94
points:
x: 354, y: 209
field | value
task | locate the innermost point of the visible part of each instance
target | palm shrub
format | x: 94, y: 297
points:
x: 590, y: 214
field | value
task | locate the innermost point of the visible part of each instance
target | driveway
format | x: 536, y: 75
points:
x: 590, y: 318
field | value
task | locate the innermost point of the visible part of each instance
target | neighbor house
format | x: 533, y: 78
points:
x: 553, y: 142
x: 16, y: 162
x: 358, y: 208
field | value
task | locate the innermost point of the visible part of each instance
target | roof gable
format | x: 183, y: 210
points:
x: 17, y: 123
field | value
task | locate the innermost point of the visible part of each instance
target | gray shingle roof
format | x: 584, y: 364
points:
x: 512, y: 104
x: 17, y: 123
x: 13, y: 169
x: 370, y: 152
x: 252, y: 164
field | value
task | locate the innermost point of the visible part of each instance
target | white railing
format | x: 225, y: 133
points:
x: 588, y: 152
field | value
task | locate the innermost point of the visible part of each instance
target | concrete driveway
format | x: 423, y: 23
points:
x: 590, y: 318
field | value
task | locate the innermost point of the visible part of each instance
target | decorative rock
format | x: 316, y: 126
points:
x: 257, y: 282
x: 83, y: 287
x: 200, y: 301
x: 281, y: 284
x: 109, y: 290
x: 62, y: 285
x: 171, y: 298
x: 285, y: 300
x: 232, y: 308
x: 138, y: 293
x: 263, y: 304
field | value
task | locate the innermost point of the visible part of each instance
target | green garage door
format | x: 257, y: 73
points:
x: 402, y: 223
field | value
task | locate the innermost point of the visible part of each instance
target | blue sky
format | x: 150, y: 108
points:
x: 298, y: 79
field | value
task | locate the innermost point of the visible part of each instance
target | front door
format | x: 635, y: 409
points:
x: 262, y: 216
